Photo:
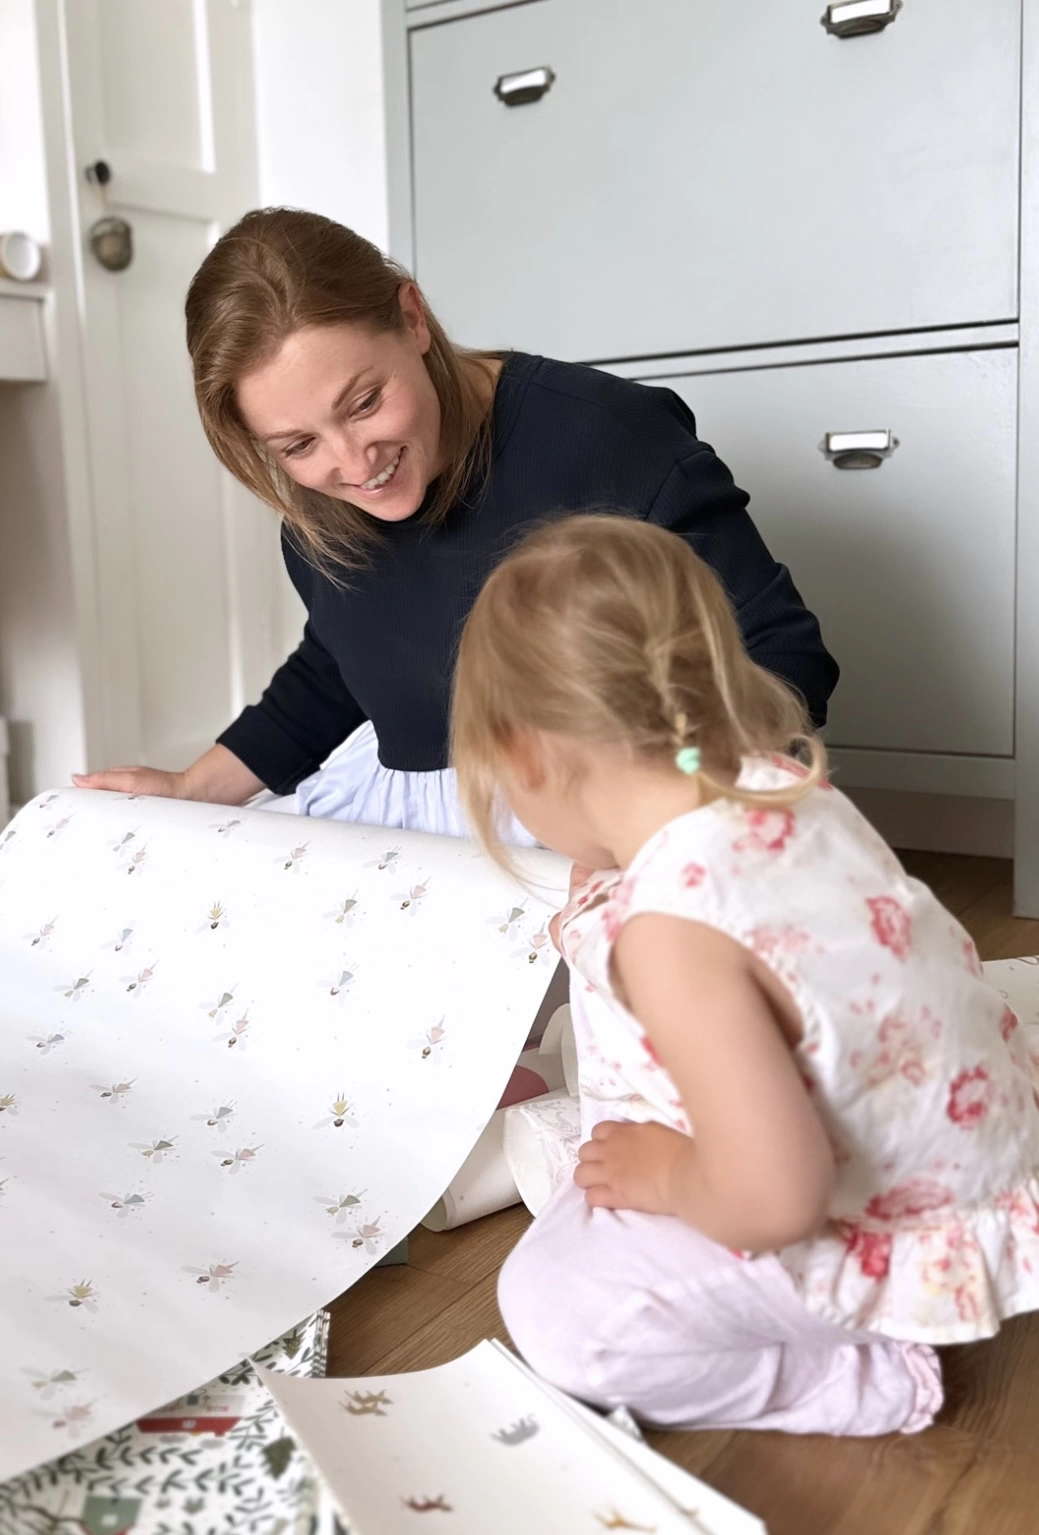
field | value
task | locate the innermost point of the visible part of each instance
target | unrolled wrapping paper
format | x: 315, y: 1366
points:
x: 241, y: 1055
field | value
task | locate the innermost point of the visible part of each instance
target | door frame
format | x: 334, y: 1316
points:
x: 99, y: 518
x: 1026, y: 812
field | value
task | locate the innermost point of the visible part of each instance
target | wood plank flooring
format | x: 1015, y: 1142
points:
x: 976, y: 1471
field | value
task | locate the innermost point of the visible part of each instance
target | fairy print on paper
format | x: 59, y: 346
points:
x: 48, y: 1382
x: 508, y: 922
x: 129, y: 852
x: 125, y: 1204
x: 59, y: 826
x: 75, y: 1419
x: 366, y: 1234
x: 137, y: 984
x: 236, y: 1160
x: 413, y: 897
x: 45, y: 1043
x: 430, y: 1043
x: 386, y: 860
x: 207, y: 1087
x: 81, y: 1296
x: 339, y: 1207
x: 339, y: 983
x: 339, y: 1114
x: 219, y: 1118
x: 214, y: 1277
x: 217, y: 1009
x: 346, y: 913
x: 537, y: 949
x: 215, y: 918
x: 116, y: 1092
x: 236, y: 1034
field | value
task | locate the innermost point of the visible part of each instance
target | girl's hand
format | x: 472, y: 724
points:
x: 630, y: 1167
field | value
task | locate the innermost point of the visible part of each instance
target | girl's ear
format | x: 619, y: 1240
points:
x: 523, y: 755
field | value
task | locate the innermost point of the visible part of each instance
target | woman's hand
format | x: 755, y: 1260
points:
x: 580, y: 874
x: 631, y: 1167
x: 135, y: 780
x: 217, y: 778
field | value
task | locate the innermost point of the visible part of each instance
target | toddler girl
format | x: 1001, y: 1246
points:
x: 811, y: 1131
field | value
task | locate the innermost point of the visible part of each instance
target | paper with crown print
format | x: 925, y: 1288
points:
x: 482, y: 1444
x: 241, y: 1055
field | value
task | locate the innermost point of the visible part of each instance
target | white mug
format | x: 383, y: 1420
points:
x: 19, y: 256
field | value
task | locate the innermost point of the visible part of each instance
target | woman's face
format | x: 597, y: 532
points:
x: 352, y: 412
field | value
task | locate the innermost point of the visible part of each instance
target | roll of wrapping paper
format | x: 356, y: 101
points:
x: 241, y: 1055
x: 485, y: 1183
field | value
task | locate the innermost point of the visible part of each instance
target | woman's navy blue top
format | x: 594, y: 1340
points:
x: 566, y: 439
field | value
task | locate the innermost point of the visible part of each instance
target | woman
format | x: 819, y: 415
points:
x: 404, y: 469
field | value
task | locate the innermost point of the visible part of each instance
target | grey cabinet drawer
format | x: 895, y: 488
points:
x: 715, y: 174
x: 909, y: 566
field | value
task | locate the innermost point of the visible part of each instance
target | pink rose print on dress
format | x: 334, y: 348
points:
x: 872, y: 1251
x: 910, y: 1200
x: 655, y: 1062
x: 693, y: 875
x: 1007, y: 1023
x: 971, y: 958
x: 775, y: 944
x: 897, y: 1053
x: 769, y: 831
x: 617, y: 909
x: 891, y: 925
x: 970, y: 1098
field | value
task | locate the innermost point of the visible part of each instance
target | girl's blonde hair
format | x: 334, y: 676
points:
x: 612, y: 631
x: 276, y: 271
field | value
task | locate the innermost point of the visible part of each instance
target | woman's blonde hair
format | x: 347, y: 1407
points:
x: 612, y: 631
x: 276, y: 271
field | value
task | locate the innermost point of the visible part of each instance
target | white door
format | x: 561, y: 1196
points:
x: 161, y: 92
x: 909, y: 565
x: 713, y: 173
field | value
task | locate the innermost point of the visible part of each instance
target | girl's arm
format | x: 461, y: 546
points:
x: 758, y: 1173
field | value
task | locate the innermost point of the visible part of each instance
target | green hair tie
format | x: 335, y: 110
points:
x: 688, y: 760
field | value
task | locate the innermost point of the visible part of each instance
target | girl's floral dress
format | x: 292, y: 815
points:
x: 919, y: 1071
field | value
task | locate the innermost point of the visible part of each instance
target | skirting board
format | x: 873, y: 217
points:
x: 939, y: 823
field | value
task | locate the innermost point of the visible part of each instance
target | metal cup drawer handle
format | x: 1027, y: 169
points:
x: 528, y: 85
x: 858, y: 450
x: 851, y: 18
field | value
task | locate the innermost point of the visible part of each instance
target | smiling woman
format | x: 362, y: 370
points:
x: 404, y: 468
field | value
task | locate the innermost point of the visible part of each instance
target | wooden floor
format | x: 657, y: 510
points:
x: 976, y: 1471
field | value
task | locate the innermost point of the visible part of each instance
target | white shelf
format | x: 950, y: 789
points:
x: 23, y: 355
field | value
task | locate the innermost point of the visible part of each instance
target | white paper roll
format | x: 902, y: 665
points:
x: 540, y: 1143
x: 483, y: 1185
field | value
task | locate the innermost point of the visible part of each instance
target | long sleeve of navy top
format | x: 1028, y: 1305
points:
x: 380, y: 643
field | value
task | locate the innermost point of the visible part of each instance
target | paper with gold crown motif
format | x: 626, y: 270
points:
x: 241, y: 1055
